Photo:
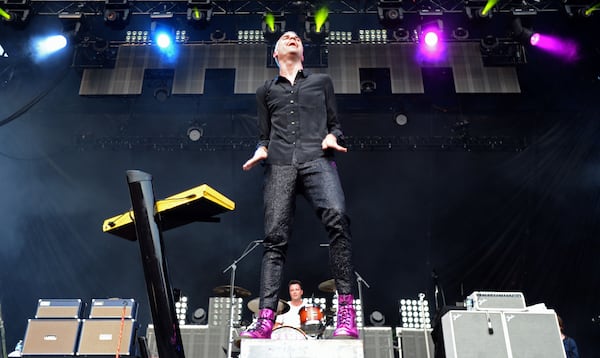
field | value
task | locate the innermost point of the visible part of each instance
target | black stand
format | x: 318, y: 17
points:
x: 233, y: 267
x: 160, y: 294
x: 359, y: 282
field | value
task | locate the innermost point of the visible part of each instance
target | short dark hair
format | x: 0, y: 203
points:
x: 295, y: 282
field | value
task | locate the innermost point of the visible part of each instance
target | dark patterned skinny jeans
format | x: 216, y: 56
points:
x: 319, y: 182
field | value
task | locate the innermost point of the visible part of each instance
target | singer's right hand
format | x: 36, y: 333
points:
x: 259, y: 154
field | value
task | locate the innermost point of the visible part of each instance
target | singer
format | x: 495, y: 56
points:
x: 298, y: 133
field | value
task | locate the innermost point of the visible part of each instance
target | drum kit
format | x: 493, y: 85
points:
x: 313, y: 317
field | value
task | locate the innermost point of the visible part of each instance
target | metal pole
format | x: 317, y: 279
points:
x: 160, y: 294
x: 233, y: 267
x: 359, y: 282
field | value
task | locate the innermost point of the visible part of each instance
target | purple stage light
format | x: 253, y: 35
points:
x: 431, y: 38
x: 565, y: 49
x: 534, y: 39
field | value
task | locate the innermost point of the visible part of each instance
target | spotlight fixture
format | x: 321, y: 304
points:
x: 161, y: 93
x: 200, y: 316
x: 199, y: 12
x: 430, y: 33
x: 581, y: 10
x: 71, y: 22
x: 116, y: 13
x: 401, y: 34
x: 181, y: 306
x: 523, y: 34
x: 316, y: 26
x: 460, y: 33
x: 489, y: 43
x: 377, y: 319
x: 495, y: 52
x: 368, y: 86
x: 194, y: 133
x: 218, y: 36
x: 373, y: 36
x: 162, y: 31
x: 479, y: 9
x: 400, y: 119
x: 16, y: 13
x: 415, y: 313
x: 273, y: 26
x: 390, y: 12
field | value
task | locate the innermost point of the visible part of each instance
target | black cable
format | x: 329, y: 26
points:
x: 35, y: 100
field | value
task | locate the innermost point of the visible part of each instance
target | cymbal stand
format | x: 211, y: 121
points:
x: 233, y: 268
x: 359, y: 282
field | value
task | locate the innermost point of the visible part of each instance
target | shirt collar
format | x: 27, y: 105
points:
x: 303, y: 73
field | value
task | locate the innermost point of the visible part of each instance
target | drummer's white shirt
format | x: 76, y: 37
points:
x: 292, y: 317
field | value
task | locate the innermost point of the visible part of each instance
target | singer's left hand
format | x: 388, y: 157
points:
x: 330, y: 141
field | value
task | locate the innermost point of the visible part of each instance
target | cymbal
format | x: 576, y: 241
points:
x: 327, y: 286
x: 282, y: 306
x: 225, y: 291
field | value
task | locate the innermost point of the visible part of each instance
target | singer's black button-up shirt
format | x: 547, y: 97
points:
x: 294, y: 118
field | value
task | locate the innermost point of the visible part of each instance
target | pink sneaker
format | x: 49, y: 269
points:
x: 346, y: 318
x: 263, y: 326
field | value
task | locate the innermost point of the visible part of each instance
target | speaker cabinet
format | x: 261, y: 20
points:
x: 113, y: 308
x: 415, y: 343
x: 51, y: 337
x: 100, y: 337
x: 474, y: 334
x: 534, y: 334
x: 59, y: 308
x: 199, y: 341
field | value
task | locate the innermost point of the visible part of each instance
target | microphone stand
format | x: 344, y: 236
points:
x: 359, y: 282
x: 233, y: 268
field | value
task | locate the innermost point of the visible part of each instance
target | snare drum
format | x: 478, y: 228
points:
x: 288, y: 333
x: 311, y: 318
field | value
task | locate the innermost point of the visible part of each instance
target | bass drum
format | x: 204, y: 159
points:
x: 311, y: 317
x: 288, y: 333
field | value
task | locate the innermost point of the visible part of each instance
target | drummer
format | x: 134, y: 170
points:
x: 292, y: 317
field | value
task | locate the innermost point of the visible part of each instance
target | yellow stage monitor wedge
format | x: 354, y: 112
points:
x: 201, y: 203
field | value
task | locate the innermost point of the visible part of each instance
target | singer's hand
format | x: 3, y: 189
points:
x: 259, y: 154
x: 330, y: 141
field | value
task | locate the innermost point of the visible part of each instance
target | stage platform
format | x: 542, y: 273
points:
x: 330, y: 348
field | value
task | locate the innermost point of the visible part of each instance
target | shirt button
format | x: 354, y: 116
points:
x: 292, y: 91
x: 293, y: 122
x: 292, y: 101
x: 293, y: 132
x: 291, y: 112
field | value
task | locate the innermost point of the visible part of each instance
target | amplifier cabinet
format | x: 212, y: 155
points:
x: 474, y: 334
x: 415, y: 342
x: 51, y: 337
x: 534, y: 334
x: 59, y: 308
x: 199, y: 341
x: 501, y: 301
x: 100, y: 337
x: 467, y: 335
x: 113, y: 308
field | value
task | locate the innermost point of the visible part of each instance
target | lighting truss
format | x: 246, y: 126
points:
x: 257, y: 7
x: 369, y: 144
x: 415, y: 313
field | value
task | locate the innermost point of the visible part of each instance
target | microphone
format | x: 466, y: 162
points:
x: 489, y: 324
x: 324, y: 245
